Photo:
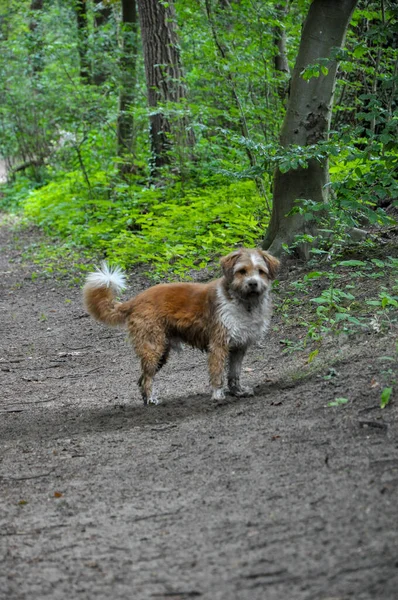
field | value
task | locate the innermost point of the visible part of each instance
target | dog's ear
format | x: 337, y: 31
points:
x: 228, y: 262
x: 272, y: 263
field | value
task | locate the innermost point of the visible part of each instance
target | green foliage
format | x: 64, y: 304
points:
x: 316, y: 70
x: 341, y: 307
x: 62, y: 129
x: 173, y: 230
x: 385, y: 396
x: 12, y: 196
x: 389, y: 377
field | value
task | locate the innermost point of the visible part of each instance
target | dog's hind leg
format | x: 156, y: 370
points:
x: 145, y: 383
x: 153, y: 358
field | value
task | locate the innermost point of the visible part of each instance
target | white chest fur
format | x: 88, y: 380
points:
x: 244, y: 327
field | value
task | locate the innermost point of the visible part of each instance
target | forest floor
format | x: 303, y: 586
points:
x: 276, y: 497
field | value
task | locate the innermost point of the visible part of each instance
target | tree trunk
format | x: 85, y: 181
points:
x: 102, y: 14
x: 281, y: 64
x: 163, y: 73
x: 307, y: 118
x: 35, y: 5
x: 280, y: 59
x: 82, y: 36
x: 36, y: 44
x: 128, y: 68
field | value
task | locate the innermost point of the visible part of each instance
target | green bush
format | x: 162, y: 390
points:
x: 174, y: 230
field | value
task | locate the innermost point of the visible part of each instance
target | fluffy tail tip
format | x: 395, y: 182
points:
x: 107, y: 276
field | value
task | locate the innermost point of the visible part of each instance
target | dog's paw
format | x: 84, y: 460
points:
x: 153, y: 399
x: 218, y: 394
x: 241, y: 392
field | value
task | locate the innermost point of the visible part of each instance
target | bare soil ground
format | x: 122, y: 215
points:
x: 277, y: 497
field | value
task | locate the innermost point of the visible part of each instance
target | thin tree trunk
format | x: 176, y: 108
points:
x: 307, y: 118
x: 36, y: 45
x: 280, y: 59
x: 163, y: 73
x: 82, y: 36
x: 128, y: 68
x: 37, y: 148
x: 35, y: 5
x: 102, y: 14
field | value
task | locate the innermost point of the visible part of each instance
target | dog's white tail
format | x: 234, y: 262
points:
x: 99, y: 294
x: 107, y: 276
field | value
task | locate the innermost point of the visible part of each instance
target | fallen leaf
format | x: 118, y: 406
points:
x: 58, y: 494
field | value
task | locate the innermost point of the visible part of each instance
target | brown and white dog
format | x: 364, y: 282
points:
x: 222, y: 317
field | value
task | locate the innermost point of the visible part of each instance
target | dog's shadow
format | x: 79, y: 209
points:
x: 79, y: 419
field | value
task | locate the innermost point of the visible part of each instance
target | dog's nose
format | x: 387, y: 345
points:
x: 253, y: 285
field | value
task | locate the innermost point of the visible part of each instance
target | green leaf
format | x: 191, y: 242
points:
x: 338, y: 402
x: 378, y: 263
x: 314, y: 275
x: 385, y: 396
x: 352, y: 263
x: 312, y: 355
x: 360, y: 51
x: 320, y: 300
x: 387, y: 300
x: 354, y: 320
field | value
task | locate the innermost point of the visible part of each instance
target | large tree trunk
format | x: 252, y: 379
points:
x: 163, y: 72
x: 307, y: 118
x: 128, y: 69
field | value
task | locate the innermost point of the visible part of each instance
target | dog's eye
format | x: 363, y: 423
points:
x: 263, y: 273
x: 242, y: 271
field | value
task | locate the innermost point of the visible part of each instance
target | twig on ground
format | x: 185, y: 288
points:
x: 10, y: 477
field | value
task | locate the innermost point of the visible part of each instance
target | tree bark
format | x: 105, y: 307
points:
x: 128, y: 69
x: 36, y: 44
x: 280, y: 59
x: 307, y: 118
x: 35, y: 5
x: 82, y: 36
x: 163, y: 73
x: 102, y: 14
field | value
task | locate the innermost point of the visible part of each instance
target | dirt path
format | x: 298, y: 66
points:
x: 274, y: 497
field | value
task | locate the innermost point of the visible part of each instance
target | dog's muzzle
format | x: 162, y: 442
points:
x: 253, y: 287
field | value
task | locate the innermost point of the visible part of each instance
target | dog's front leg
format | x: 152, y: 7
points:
x: 216, y: 360
x: 235, y: 388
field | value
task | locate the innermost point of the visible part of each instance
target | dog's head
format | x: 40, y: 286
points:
x: 249, y: 273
